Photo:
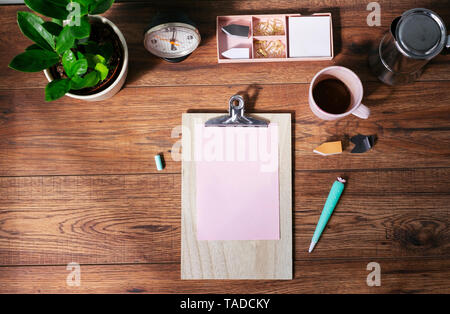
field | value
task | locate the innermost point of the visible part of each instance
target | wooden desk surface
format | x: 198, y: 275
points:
x: 78, y: 182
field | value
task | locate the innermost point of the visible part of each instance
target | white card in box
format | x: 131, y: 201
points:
x: 309, y: 36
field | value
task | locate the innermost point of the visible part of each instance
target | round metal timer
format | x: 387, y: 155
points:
x: 171, y: 36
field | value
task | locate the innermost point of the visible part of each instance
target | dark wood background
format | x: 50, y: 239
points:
x: 78, y: 181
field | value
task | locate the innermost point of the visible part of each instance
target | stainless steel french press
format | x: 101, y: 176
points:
x: 414, y: 38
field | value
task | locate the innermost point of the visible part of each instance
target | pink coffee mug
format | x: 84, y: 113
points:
x: 352, y: 81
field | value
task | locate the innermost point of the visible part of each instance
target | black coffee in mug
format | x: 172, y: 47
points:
x: 332, y: 96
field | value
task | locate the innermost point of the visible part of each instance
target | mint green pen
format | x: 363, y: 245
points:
x: 330, y: 204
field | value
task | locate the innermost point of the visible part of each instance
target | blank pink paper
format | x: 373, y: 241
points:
x: 237, y: 183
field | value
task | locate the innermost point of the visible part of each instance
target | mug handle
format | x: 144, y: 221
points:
x: 362, y: 112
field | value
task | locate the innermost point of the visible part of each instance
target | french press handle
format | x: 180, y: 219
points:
x: 446, y: 50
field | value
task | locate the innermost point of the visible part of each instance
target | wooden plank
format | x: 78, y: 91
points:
x: 236, y: 259
x: 319, y: 276
x: 97, y: 219
x: 121, y: 135
x: 352, y: 40
x: 136, y: 218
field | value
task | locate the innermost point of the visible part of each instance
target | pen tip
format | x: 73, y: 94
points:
x: 311, y: 246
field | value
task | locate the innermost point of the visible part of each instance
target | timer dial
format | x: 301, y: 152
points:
x: 172, y: 40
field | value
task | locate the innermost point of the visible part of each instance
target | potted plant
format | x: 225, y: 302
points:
x: 83, y: 55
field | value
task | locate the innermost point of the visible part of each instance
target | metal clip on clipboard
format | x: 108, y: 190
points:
x: 236, y: 116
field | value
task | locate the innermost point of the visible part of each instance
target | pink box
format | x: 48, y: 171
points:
x: 225, y: 42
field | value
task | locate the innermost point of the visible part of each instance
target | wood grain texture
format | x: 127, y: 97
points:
x: 336, y: 276
x: 121, y: 135
x: 352, y: 40
x: 261, y: 259
x: 136, y: 218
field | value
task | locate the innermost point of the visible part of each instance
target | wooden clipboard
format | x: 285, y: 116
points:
x: 256, y: 259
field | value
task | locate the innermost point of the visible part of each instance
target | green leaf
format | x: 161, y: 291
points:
x: 52, y: 28
x: 68, y: 59
x: 89, y: 80
x: 100, y: 6
x: 56, y: 89
x: 83, y: 30
x: 33, y: 47
x: 57, y: 21
x: 79, y: 67
x: 102, y: 69
x: 51, y: 8
x: 85, y: 3
x: 31, y: 26
x: 91, y: 60
x: 72, y: 66
x: 99, y: 59
x: 94, y: 59
x: 76, y: 83
x: 34, y: 60
x: 80, y: 55
x: 65, y: 40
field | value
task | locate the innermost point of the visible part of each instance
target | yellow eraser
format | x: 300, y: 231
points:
x: 329, y: 148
